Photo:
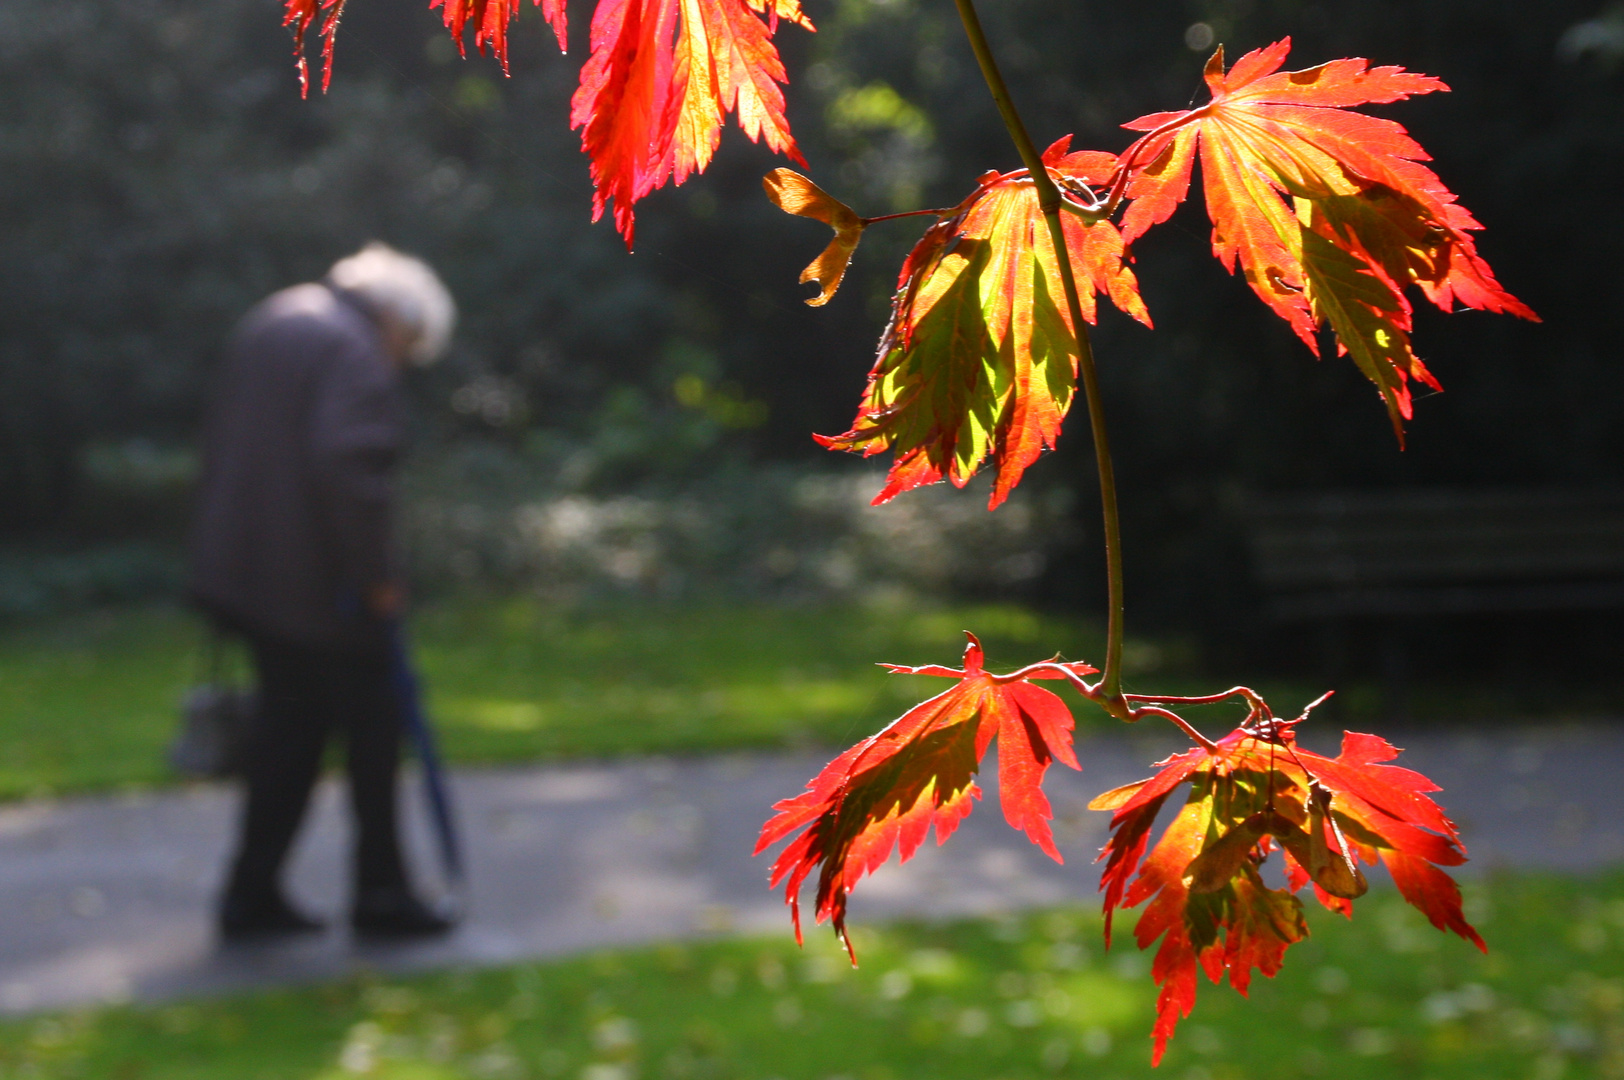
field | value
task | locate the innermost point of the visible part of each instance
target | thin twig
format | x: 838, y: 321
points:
x: 1179, y: 722
x: 1255, y: 704
x: 1095, y: 693
x: 908, y: 213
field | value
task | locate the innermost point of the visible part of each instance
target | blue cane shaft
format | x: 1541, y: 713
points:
x: 428, y: 754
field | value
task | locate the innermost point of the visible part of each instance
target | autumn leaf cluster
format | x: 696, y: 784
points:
x: 1328, y: 214
x: 1330, y: 217
x: 1251, y: 795
x: 1248, y: 797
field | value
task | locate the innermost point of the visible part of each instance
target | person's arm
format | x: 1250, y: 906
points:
x: 356, y: 437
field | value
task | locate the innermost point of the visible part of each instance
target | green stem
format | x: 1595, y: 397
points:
x: 1110, y: 685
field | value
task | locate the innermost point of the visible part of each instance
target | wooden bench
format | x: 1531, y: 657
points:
x: 1416, y: 552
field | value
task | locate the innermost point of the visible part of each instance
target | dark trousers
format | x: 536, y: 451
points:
x: 306, y: 694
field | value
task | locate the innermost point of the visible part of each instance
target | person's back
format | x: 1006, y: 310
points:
x: 293, y: 515
x: 291, y: 548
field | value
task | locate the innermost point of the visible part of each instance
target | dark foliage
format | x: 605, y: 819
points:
x: 162, y: 174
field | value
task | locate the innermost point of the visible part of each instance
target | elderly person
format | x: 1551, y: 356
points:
x: 292, y: 548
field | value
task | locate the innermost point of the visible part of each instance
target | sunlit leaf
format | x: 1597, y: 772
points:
x: 490, y: 19
x: 1329, y: 214
x: 298, y: 16
x: 890, y: 789
x: 1254, y: 793
x: 980, y: 357
x: 662, y: 78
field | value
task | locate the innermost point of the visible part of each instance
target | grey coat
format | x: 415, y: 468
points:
x: 294, y: 517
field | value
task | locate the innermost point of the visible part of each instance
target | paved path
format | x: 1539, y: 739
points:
x: 109, y: 899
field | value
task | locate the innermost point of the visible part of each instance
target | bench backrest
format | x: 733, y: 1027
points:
x: 1395, y: 543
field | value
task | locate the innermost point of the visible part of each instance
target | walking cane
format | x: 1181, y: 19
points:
x: 408, y: 691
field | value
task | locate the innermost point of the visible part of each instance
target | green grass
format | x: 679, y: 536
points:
x: 1384, y: 996
x: 516, y: 680
x: 89, y: 702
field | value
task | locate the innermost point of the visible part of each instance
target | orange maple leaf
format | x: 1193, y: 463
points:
x: 980, y: 357
x: 888, y: 790
x: 662, y: 77
x: 1328, y: 213
x: 1253, y: 792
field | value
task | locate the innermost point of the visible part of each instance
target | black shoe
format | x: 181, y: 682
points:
x: 396, y: 913
x: 262, y: 917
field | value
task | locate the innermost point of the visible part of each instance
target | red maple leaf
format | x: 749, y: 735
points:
x: 980, y: 357
x: 490, y: 20
x: 298, y: 15
x: 662, y: 77
x: 1251, y: 793
x: 888, y: 790
x: 1329, y: 213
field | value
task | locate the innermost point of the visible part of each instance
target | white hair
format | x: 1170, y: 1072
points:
x: 406, y: 291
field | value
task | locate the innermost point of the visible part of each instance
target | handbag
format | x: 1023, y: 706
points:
x: 217, y: 718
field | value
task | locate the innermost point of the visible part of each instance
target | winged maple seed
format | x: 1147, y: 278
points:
x: 980, y: 357
x: 888, y: 790
x: 1252, y: 793
x: 662, y: 78
x: 1328, y: 212
x: 795, y: 194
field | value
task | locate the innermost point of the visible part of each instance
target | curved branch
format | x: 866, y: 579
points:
x: 1179, y: 722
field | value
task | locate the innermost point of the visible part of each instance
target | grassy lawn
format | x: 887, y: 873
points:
x: 89, y: 702
x: 516, y: 680
x: 1031, y: 997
